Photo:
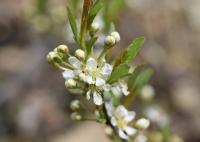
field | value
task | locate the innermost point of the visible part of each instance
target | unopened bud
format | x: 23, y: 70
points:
x: 110, y: 41
x: 175, y: 138
x: 63, y: 49
x: 82, y: 76
x: 142, y: 123
x: 80, y: 54
x: 116, y: 36
x: 70, y: 83
x: 53, y: 57
x: 147, y: 93
x: 75, y: 105
x: 109, y: 131
x: 94, y: 28
x: 76, y: 116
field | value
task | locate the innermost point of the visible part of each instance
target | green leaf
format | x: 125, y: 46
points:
x: 132, y: 50
x: 111, y: 11
x: 91, y: 44
x: 95, y: 10
x: 73, y: 25
x: 142, y: 79
x: 119, y: 72
x: 131, y: 80
x: 166, y: 133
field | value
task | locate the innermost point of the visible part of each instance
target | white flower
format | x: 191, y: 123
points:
x: 120, y: 118
x: 116, y: 36
x: 142, y: 123
x: 97, y: 74
x: 80, y: 54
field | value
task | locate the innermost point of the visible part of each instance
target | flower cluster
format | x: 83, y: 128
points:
x: 93, y: 76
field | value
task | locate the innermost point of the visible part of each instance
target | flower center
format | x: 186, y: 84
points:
x: 121, y: 123
x: 95, y: 72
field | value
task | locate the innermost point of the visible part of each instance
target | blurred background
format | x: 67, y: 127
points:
x: 33, y: 100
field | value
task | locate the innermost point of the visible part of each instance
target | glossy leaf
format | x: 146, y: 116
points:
x: 132, y: 50
x: 119, y: 72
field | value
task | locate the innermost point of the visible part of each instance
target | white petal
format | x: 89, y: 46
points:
x: 130, y: 130
x: 100, y: 82
x: 91, y: 64
x: 130, y: 116
x: 68, y: 74
x: 121, y: 111
x: 109, y: 108
x: 74, y: 62
x: 124, y: 89
x: 125, y: 92
x: 88, y: 94
x: 116, y: 91
x: 122, y: 134
x: 89, y: 79
x: 106, y: 87
x: 107, y: 69
x: 113, y: 121
x: 97, y: 99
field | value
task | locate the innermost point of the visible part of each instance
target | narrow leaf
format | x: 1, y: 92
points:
x: 73, y: 25
x: 91, y: 44
x: 119, y: 72
x: 132, y: 50
x: 94, y: 11
x: 142, y: 79
x: 138, y: 69
x: 166, y: 133
x: 136, y: 82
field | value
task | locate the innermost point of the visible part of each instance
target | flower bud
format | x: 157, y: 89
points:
x: 109, y: 131
x: 70, y: 83
x: 175, y: 138
x: 147, y: 93
x: 110, y: 41
x: 80, y: 54
x: 75, y: 105
x: 76, y: 116
x: 94, y: 28
x: 116, y: 36
x: 82, y: 76
x: 53, y: 57
x: 142, y: 123
x: 63, y: 49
